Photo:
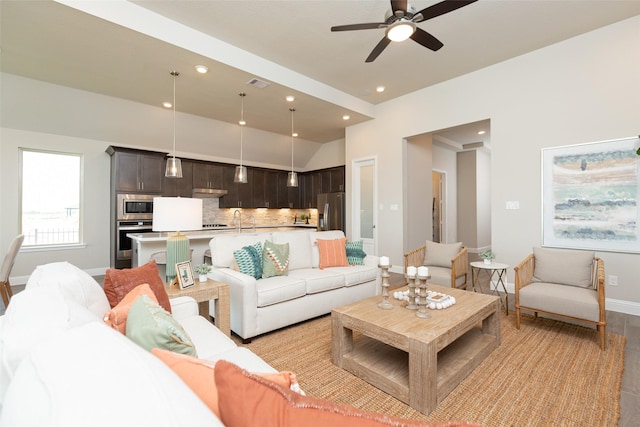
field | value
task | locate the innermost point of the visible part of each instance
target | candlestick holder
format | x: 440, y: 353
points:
x: 421, y: 297
x: 385, y: 304
x: 412, y: 292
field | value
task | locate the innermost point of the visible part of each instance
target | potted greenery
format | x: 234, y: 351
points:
x: 202, y: 270
x: 487, y: 256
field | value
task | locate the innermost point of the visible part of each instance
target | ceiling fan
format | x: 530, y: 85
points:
x: 400, y: 23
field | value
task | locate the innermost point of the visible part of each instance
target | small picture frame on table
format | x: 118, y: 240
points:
x: 185, y: 274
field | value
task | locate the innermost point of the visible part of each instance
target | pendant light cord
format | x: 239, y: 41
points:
x: 242, y: 123
x: 292, y: 110
x: 174, y: 74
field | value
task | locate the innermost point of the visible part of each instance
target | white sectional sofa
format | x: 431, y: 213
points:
x: 61, y: 365
x: 307, y: 291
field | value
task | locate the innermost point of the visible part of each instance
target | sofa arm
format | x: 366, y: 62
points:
x: 183, y: 307
x: 243, y: 300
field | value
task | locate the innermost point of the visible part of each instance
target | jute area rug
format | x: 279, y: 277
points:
x: 549, y: 373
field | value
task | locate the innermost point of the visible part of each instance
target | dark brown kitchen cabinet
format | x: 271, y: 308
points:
x: 135, y: 171
x: 289, y: 197
x: 208, y: 175
x: 238, y: 195
x: 265, y: 189
x: 336, y: 179
x: 179, y: 187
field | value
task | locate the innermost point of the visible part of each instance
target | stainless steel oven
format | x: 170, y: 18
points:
x: 123, y: 243
x: 134, y: 207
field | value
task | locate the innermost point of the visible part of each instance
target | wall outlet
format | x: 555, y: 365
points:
x: 613, y: 280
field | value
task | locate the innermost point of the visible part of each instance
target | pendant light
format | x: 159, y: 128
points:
x: 292, y: 178
x: 241, y: 171
x: 174, y: 166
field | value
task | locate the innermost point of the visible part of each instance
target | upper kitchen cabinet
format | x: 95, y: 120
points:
x: 179, y: 187
x: 265, y: 189
x: 136, y: 171
x: 238, y: 195
x: 336, y: 179
x: 208, y: 175
x: 289, y: 197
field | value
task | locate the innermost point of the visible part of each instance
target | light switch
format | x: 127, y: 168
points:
x: 393, y: 207
x: 513, y: 205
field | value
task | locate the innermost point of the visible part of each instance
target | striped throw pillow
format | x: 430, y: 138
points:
x: 333, y: 253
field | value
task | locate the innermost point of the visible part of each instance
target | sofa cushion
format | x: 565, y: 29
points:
x: 333, y: 253
x: 94, y: 376
x: 73, y: 283
x: 355, y: 254
x: 574, y: 301
x: 299, y: 247
x: 199, y: 375
x: 118, y: 283
x: 249, y: 260
x: 246, y: 399
x: 116, y: 318
x: 440, y: 254
x: 320, y: 280
x: 150, y: 326
x: 206, y: 338
x: 35, y: 315
x: 275, y: 259
x: 323, y: 235
x: 222, y: 246
x: 356, y: 274
x: 565, y: 267
x: 279, y: 289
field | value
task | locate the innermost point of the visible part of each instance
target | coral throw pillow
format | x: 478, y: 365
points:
x: 199, y: 375
x: 248, y: 400
x: 118, y: 283
x: 116, y: 318
x: 333, y: 253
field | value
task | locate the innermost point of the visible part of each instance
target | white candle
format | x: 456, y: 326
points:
x: 384, y: 260
x: 423, y: 271
x: 411, y: 271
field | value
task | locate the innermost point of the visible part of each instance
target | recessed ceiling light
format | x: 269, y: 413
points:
x: 167, y: 104
x: 346, y: 117
x: 481, y: 132
x: 202, y: 69
x: 290, y: 98
x: 380, y: 89
x: 295, y: 134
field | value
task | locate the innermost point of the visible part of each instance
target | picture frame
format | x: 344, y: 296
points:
x: 185, y: 274
x: 590, y: 195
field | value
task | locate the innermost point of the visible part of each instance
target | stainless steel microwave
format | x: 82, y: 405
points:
x: 134, y: 206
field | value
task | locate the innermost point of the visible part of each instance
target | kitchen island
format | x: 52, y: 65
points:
x: 144, y: 245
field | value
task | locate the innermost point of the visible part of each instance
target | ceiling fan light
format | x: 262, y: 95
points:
x: 400, y: 31
x: 240, y: 175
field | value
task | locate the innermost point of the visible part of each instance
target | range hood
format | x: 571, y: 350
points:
x: 208, y: 192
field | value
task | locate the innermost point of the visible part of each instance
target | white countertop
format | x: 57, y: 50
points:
x: 209, y: 233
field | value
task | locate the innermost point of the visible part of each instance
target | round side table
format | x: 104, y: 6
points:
x: 497, y: 269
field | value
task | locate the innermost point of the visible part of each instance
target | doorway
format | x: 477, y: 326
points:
x: 439, y: 206
x: 364, y: 202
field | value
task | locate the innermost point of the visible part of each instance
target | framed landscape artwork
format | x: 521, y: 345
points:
x: 590, y: 196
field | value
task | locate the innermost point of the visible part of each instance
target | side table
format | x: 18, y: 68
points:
x: 494, y: 268
x: 203, y: 293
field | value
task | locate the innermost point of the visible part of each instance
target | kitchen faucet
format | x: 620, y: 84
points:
x: 239, y: 223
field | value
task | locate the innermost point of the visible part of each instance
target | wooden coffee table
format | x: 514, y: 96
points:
x: 203, y: 293
x: 418, y: 361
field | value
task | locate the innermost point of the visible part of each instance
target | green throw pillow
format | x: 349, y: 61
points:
x: 249, y: 260
x: 151, y: 326
x: 275, y: 259
x: 355, y: 254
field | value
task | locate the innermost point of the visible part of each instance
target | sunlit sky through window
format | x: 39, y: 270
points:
x: 50, y: 181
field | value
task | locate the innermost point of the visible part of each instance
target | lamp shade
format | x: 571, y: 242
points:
x: 174, y: 168
x: 177, y: 214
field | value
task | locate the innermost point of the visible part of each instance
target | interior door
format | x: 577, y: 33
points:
x: 364, y: 202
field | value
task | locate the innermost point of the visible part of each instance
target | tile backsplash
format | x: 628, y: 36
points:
x: 212, y: 214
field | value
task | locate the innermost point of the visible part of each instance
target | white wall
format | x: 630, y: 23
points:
x: 581, y: 90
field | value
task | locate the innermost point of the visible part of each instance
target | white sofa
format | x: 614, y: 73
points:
x: 263, y: 305
x: 61, y: 365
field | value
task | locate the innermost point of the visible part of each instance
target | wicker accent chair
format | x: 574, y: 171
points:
x: 564, y: 283
x: 7, y: 265
x: 455, y: 272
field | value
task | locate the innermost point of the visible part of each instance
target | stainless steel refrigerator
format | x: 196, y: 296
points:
x: 331, y: 211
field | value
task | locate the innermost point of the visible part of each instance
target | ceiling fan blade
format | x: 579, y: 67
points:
x: 378, y: 49
x: 443, y: 7
x: 366, y: 26
x: 426, y: 39
x: 398, y: 5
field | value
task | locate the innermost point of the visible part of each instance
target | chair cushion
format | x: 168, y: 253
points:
x: 574, y: 301
x: 299, y: 247
x: 440, y: 276
x: 118, y: 283
x: 565, y: 267
x: 440, y: 254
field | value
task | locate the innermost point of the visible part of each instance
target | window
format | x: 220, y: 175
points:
x: 50, y: 198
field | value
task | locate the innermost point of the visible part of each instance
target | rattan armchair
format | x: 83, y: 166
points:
x: 7, y: 265
x: 533, y: 292
x: 456, y: 275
